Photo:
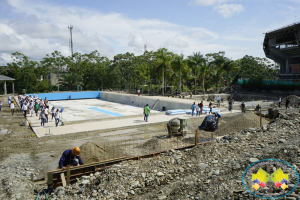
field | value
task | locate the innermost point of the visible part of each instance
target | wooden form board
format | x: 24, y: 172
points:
x: 54, y: 177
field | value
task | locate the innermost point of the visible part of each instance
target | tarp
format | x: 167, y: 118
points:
x: 175, y: 112
x: 209, y: 123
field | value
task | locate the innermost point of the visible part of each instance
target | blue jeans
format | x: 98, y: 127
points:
x: 230, y: 107
x: 198, y: 113
x: 9, y: 101
x: 43, y: 121
x: 146, y: 117
x: 41, y: 107
x: 218, y: 103
x: 56, y: 121
x: 193, y: 112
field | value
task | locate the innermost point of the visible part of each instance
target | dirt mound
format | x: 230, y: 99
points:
x: 294, y: 101
x: 240, y: 122
x: 96, y: 152
x: 157, y: 145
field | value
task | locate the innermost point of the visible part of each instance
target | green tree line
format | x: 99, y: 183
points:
x: 156, y: 69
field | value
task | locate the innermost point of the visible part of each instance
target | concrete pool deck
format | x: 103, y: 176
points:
x: 86, y: 115
x: 105, y: 124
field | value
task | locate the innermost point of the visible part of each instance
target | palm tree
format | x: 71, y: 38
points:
x: 216, y: 74
x: 163, y: 61
x: 70, y: 80
x: 195, y: 62
x: 228, y: 67
x: 204, y: 69
x: 179, y: 64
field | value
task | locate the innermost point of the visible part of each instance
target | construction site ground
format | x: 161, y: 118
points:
x: 45, y: 152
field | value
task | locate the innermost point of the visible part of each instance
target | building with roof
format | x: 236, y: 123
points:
x: 6, y: 78
x: 282, y: 46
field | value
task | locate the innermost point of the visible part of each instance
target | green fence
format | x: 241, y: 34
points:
x: 271, y: 82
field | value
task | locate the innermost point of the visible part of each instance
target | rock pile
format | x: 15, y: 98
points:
x: 16, y: 173
x: 294, y: 101
x: 209, y: 171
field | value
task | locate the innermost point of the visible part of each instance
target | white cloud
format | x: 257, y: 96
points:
x: 39, y: 28
x: 227, y: 10
x: 42, y: 28
x: 206, y: 2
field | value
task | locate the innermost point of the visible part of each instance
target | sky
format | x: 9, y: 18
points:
x: 39, y: 27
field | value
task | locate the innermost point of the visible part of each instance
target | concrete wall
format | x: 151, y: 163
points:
x: 65, y: 95
x: 141, y: 101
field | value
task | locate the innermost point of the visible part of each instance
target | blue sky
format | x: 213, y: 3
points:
x: 39, y: 27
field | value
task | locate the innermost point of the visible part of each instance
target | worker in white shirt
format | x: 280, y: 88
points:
x: 57, y: 117
x: 46, y: 113
x: 218, y: 100
x: 30, y: 107
x: 12, y: 108
x: 24, y: 109
x: 53, y: 111
x: 9, y: 100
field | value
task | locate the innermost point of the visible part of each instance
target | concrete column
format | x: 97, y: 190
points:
x: 287, y: 67
x: 5, y: 91
x: 13, y: 87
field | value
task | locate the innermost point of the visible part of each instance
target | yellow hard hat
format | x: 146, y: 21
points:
x: 76, y: 150
x: 258, y: 103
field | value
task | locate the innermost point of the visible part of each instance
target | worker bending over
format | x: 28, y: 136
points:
x: 217, y: 116
x: 70, y: 157
x: 257, y: 108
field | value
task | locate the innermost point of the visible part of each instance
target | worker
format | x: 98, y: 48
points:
x: 70, y: 157
x: 193, y: 107
x: 257, y: 108
x: 287, y: 102
x: 243, y: 107
x: 217, y: 116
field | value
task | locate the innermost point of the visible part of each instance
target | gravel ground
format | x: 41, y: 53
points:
x: 210, y: 171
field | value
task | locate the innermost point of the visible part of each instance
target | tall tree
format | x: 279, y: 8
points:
x: 24, y: 71
x: 228, y: 67
x: 55, y: 64
x: 163, y: 61
x: 123, y: 66
x: 195, y: 62
x: 179, y: 64
x: 204, y: 68
x: 70, y: 80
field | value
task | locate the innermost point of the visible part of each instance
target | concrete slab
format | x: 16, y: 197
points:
x: 96, y: 114
x: 102, y: 125
x: 89, y: 109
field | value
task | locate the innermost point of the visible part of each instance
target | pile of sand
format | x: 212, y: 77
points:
x: 239, y: 123
x: 96, y: 152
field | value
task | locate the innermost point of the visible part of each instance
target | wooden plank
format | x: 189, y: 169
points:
x: 50, y: 178
x: 62, y: 176
x: 88, y: 165
x: 68, y: 175
x: 56, y: 177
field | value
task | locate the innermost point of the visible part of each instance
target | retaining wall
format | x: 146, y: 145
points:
x: 65, y: 95
x: 141, y: 101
